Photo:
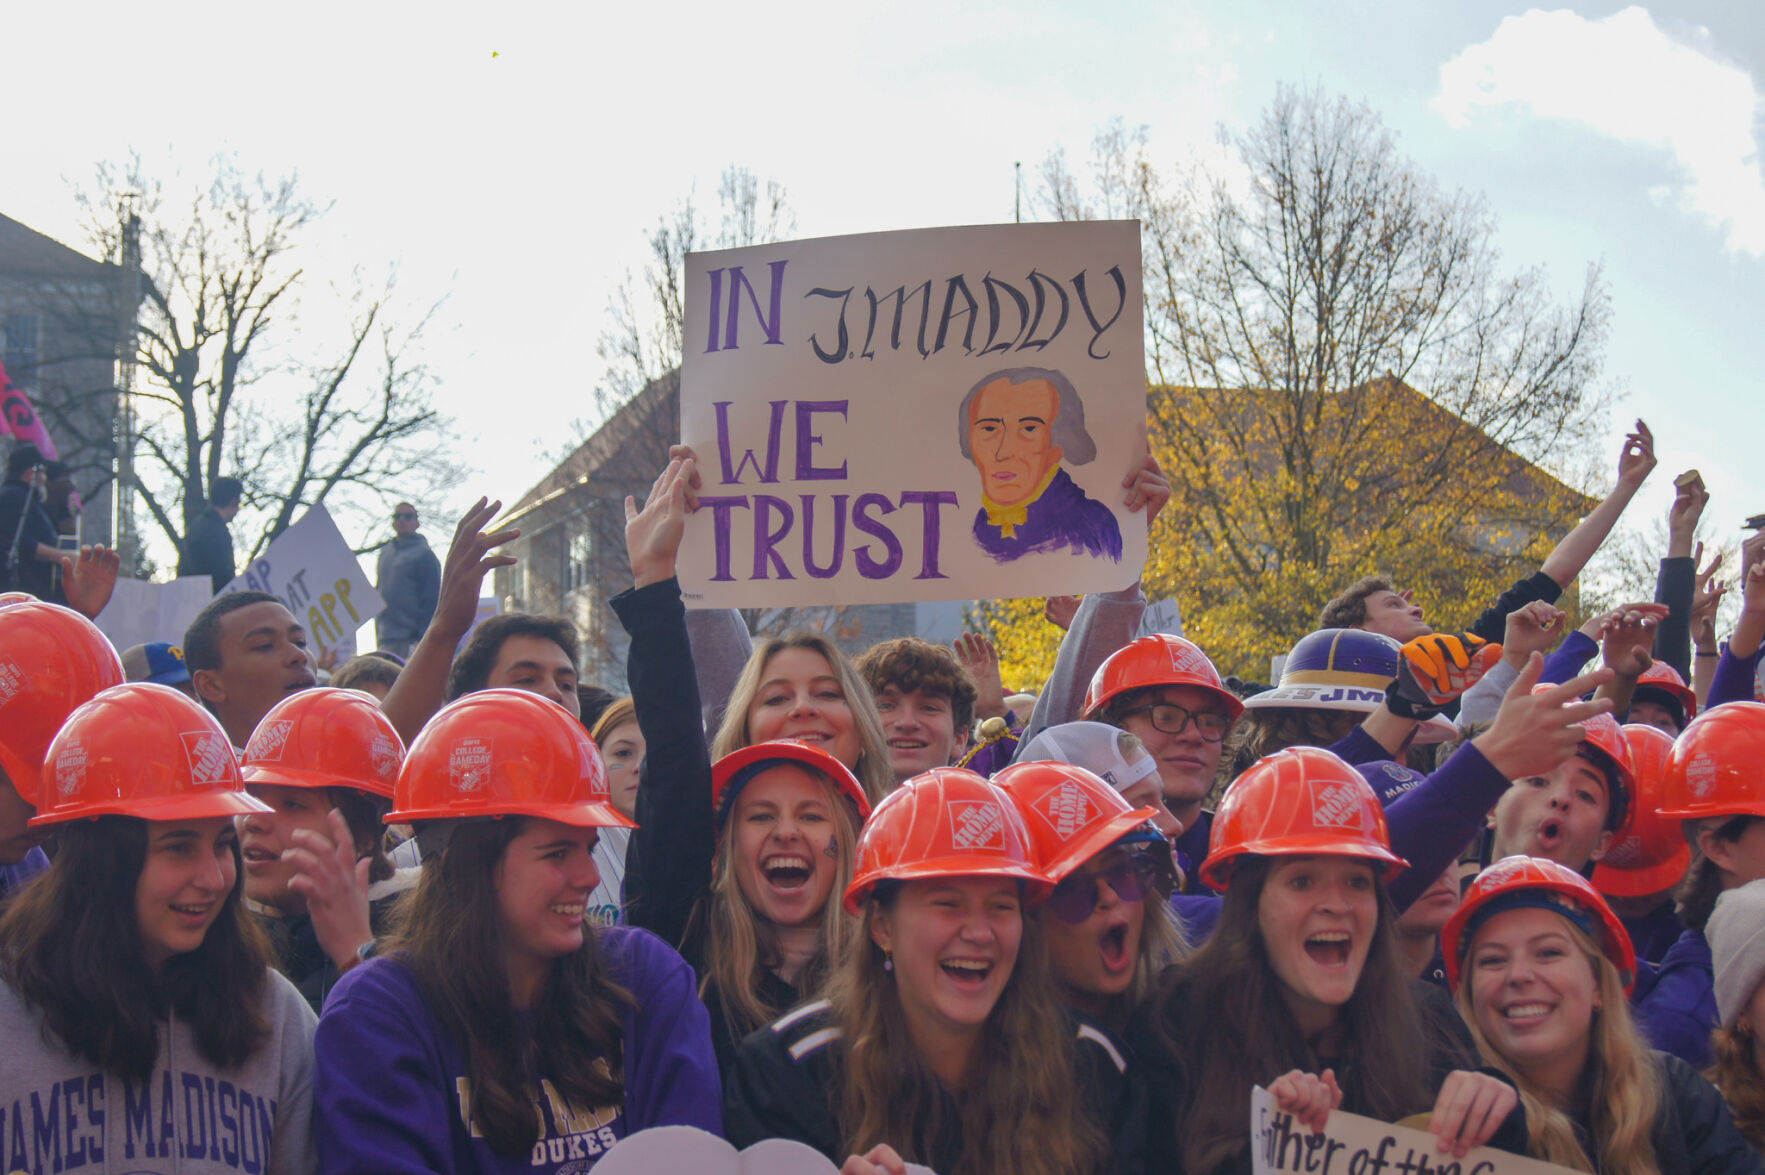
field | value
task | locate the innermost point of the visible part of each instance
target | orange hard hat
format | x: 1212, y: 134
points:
x: 1717, y: 767
x: 1649, y: 854
x: 1520, y: 882
x: 325, y: 737
x: 1159, y: 659
x: 141, y: 750
x: 1298, y: 802
x: 505, y: 752
x: 734, y: 767
x: 948, y: 822
x: 1665, y: 678
x: 1071, y: 814
x: 52, y: 660
x: 1605, y: 738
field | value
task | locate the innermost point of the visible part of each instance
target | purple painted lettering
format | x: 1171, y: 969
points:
x: 767, y: 536
x: 931, y: 501
x: 816, y: 570
x: 732, y: 475
x: 868, y: 565
x: 721, y: 509
x: 808, y: 438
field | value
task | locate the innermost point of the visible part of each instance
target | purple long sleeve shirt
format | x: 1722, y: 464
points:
x: 392, y: 1090
x: 1736, y: 678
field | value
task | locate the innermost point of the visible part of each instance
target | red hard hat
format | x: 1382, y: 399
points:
x: 325, y: 738
x: 505, y: 752
x: 1649, y: 854
x: 1159, y: 659
x: 1716, y: 765
x: 948, y: 822
x: 1663, y: 676
x: 1071, y: 814
x: 8, y: 599
x: 141, y: 750
x: 52, y: 660
x: 1298, y: 802
x: 1549, y: 883
x: 732, y: 764
x: 1603, y: 734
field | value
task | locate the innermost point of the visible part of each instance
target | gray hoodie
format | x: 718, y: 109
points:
x: 59, y: 1113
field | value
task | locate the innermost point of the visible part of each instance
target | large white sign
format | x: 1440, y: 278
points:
x: 140, y: 612
x: 1352, y: 1145
x: 930, y: 415
x: 311, y: 569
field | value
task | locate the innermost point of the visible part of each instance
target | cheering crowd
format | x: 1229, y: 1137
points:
x: 461, y: 913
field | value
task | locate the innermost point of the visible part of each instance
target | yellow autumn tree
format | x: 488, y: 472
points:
x: 1343, y: 381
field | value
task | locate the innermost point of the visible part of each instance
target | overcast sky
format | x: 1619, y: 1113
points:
x: 513, y: 155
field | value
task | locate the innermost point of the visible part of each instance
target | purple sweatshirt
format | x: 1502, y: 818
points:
x: 1736, y: 678
x: 392, y: 1087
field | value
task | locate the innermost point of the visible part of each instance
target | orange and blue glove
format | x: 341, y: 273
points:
x: 1433, y: 670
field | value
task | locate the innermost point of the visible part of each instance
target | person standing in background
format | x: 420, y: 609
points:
x: 208, y: 545
x: 409, y: 580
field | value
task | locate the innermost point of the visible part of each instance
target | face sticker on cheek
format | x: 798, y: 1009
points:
x: 833, y: 848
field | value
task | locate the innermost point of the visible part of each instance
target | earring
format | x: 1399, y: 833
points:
x: 1744, y: 1029
x: 888, y: 961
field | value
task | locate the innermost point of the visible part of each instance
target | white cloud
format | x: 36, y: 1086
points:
x: 1625, y: 77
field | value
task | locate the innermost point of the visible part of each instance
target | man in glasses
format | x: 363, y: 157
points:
x: 409, y: 581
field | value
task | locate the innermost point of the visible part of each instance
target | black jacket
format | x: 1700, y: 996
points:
x: 1693, y: 1134
x: 19, y: 504
x: 1446, y: 1040
x: 668, y: 860
x: 300, y: 957
x: 208, y: 549
x: 780, y: 1086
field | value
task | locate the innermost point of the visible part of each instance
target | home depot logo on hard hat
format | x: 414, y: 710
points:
x: 270, y: 740
x: 1066, y: 810
x: 1700, y: 774
x: 977, y: 824
x: 12, y: 680
x: 70, y: 768
x: 468, y: 764
x: 1336, y: 804
x: 383, y: 757
x: 211, y: 759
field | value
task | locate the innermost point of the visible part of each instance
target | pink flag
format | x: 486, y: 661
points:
x: 22, y: 419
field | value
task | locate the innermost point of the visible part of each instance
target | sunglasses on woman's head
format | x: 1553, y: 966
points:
x: 1130, y: 879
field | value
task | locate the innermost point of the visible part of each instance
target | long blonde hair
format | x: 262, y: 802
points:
x: 872, y: 767
x: 1736, y: 1074
x: 1626, y: 1090
x: 742, y: 942
x: 1015, y: 1111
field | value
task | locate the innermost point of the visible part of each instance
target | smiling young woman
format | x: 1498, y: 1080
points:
x: 130, y: 969
x: 1302, y: 981
x: 1541, y: 967
x: 939, y: 1040
x: 499, y: 1031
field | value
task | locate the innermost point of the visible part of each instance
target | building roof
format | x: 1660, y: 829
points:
x: 620, y: 450
x: 25, y: 250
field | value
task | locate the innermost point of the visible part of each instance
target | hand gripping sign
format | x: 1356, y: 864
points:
x: 1352, y: 1145
x: 931, y: 415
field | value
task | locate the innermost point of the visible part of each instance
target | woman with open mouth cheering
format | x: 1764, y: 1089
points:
x: 939, y: 1040
x: 741, y: 865
x: 1301, y: 989
x: 1109, y: 927
x: 1540, y: 967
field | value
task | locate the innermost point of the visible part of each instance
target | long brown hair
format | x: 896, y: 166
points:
x: 1222, y: 1017
x: 451, y: 939
x: 1626, y: 1085
x: 741, y: 942
x: 1705, y: 880
x: 1736, y: 1074
x: 71, y: 947
x: 872, y: 767
x: 1259, y: 733
x: 1015, y: 1111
